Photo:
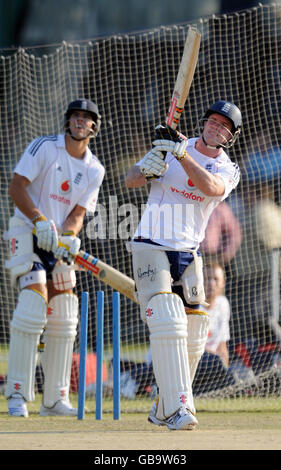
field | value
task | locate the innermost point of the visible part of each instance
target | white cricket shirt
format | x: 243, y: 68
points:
x: 58, y: 181
x: 219, y: 317
x: 177, y: 213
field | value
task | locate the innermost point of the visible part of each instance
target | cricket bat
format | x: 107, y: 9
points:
x: 103, y: 272
x: 107, y: 274
x: 184, y: 78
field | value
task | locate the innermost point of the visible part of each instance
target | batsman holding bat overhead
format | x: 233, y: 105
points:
x: 189, y: 178
x: 56, y: 180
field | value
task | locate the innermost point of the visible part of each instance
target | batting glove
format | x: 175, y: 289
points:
x: 68, y: 247
x: 178, y: 149
x: 167, y: 133
x: 46, y: 233
x: 153, y: 164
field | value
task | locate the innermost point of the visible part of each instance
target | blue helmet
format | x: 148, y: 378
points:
x: 232, y: 112
x: 227, y: 109
x: 84, y: 104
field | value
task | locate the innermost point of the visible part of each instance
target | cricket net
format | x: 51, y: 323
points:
x: 131, y: 78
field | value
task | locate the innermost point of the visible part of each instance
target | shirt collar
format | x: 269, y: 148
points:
x: 61, y: 143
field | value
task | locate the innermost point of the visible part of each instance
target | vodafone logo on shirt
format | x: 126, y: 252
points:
x: 190, y: 184
x: 65, y: 187
x: 188, y: 195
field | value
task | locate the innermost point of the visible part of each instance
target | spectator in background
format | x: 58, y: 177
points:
x: 219, y: 312
x: 223, y: 235
x: 212, y: 372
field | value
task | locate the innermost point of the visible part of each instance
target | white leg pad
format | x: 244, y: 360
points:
x: 59, y: 336
x: 167, y: 323
x: 21, y: 255
x: 197, y: 334
x: 152, y: 275
x: 27, y: 325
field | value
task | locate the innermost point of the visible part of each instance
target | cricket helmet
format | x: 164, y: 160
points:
x: 229, y: 110
x: 84, y: 104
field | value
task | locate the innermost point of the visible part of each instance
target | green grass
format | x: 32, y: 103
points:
x: 241, y: 404
x: 3, y: 359
x: 143, y: 405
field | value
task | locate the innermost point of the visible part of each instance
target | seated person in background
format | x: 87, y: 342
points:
x: 212, y: 372
x: 137, y: 378
x: 219, y: 312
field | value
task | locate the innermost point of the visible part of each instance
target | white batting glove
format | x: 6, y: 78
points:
x: 46, y: 233
x: 68, y: 248
x: 153, y: 165
x: 178, y: 149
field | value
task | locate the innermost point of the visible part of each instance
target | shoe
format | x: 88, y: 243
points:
x: 17, y: 406
x: 182, y: 419
x: 61, y: 408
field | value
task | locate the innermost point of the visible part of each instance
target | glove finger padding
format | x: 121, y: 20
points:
x: 153, y: 164
x: 69, y: 246
x: 164, y: 145
x: 179, y: 149
x: 47, y: 236
x: 176, y: 148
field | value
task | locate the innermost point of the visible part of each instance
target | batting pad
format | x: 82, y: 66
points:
x: 27, y: 325
x: 152, y: 275
x: 197, y: 334
x: 167, y: 323
x: 59, y: 336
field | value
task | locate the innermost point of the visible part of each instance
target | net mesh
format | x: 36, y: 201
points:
x: 131, y: 77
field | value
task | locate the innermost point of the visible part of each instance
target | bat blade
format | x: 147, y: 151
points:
x: 107, y: 274
x: 104, y: 272
x: 185, y: 76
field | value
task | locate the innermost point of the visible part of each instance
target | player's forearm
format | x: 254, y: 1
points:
x: 209, y: 184
x: 22, y: 200
x: 74, y: 221
x: 134, y: 178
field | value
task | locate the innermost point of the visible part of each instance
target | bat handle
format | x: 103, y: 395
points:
x: 167, y: 133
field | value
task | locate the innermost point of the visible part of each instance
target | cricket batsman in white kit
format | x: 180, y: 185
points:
x: 189, y: 178
x: 56, y: 180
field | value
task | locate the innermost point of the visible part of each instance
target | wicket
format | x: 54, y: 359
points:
x: 99, y: 354
x: 116, y: 355
x: 83, y: 355
x: 100, y: 328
